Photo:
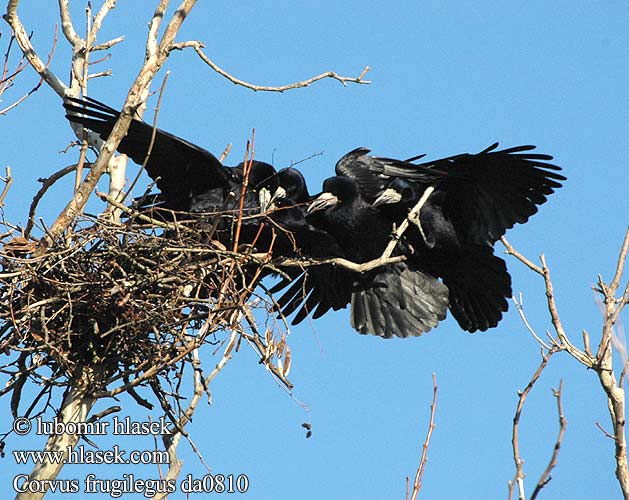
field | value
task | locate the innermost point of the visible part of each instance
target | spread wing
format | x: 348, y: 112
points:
x: 181, y: 169
x: 487, y: 193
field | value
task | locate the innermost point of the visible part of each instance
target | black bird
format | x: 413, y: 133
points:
x: 480, y: 198
x: 394, y: 300
x: 292, y: 185
x: 190, y: 178
x: 372, y: 174
x: 478, y: 282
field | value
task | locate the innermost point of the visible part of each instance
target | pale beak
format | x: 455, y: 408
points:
x: 264, y: 198
x: 388, y: 197
x: 323, y: 201
x: 280, y: 193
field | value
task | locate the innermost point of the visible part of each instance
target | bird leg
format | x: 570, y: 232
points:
x: 413, y: 216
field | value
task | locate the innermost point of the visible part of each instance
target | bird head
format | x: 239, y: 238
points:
x: 263, y: 179
x: 398, y: 190
x: 336, y: 191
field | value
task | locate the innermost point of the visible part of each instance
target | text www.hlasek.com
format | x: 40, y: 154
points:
x: 80, y: 455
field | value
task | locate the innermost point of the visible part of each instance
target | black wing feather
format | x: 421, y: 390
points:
x: 181, y: 169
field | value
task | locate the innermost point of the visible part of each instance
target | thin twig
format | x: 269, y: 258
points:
x: 39, y: 83
x: 419, y: 475
x: 546, y: 477
x: 528, y: 263
x: 8, y: 180
x: 519, y: 470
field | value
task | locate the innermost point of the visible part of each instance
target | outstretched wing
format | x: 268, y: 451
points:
x: 392, y: 301
x: 500, y: 189
x: 489, y: 192
x: 181, y: 169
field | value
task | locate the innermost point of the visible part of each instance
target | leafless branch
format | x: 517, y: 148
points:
x: 106, y: 46
x: 520, y: 257
x: 46, y: 184
x: 518, y: 480
x: 344, y: 80
x: 7, y: 79
x: 419, y: 475
x: 602, y: 429
x: 602, y: 362
x: 546, y: 477
x: 562, y: 338
x: 8, y: 180
x: 225, y: 152
x: 39, y: 83
x: 135, y: 98
x: 151, y: 143
x: 604, y: 366
x: 520, y: 307
x: 172, y: 439
x: 24, y: 42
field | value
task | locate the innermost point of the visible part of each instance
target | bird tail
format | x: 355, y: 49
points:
x: 398, y: 301
x: 479, y: 286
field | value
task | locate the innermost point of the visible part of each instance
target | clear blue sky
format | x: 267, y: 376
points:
x: 448, y: 77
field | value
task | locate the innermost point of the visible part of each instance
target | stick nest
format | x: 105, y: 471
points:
x: 124, y: 298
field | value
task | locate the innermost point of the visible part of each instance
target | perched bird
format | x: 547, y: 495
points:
x: 190, y: 178
x: 292, y: 185
x: 393, y: 300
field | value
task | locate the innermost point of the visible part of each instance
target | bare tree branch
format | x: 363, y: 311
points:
x: 518, y: 480
x: 344, y: 80
x: 39, y: 83
x: 8, y: 180
x: 21, y: 36
x: 419, y: 475
x: 546, y: 477
x: 602, y: 362
x: 134, y: 99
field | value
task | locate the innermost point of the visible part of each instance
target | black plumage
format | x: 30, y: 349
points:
x: 190, y: 178
x: 478, y: 282
x: 394, y: 300
x: 292, y: 185
x: 483, y: 194
x: 472, y: 200
x: 457, y: 226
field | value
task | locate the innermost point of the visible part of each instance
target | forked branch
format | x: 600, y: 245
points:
x: 601, y: 362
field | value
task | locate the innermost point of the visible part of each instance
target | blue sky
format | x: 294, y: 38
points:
x: 448, y: 77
